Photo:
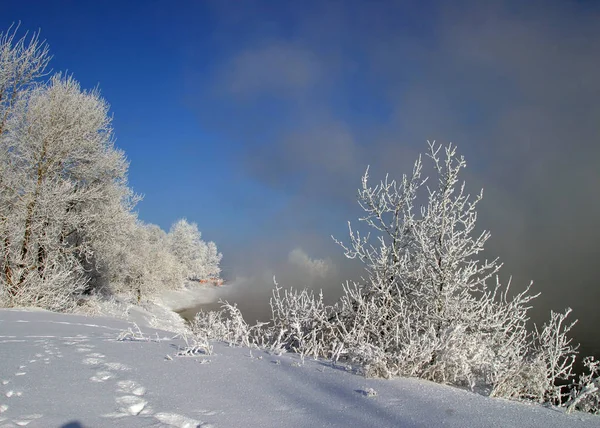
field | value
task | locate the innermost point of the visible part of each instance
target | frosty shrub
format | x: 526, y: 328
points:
x: 585, y: 393
x: 426, y: 307
x: 227, y: 325
x: 300, y: 323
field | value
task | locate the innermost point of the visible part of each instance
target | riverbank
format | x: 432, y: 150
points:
x: 103, y: 378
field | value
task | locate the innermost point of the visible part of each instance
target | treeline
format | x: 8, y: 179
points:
x: 67, y: 225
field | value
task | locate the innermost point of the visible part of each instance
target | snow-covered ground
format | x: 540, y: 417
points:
x: 60, y: 370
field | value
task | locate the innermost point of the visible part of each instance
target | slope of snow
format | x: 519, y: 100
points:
x: 61, y: 370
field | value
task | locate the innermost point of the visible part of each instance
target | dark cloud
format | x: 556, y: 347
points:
x: 513, y: 84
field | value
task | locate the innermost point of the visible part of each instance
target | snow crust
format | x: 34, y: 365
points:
x: 70, y: 370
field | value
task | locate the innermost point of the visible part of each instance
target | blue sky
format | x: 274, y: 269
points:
x: 155, y: 63
x: 256, y: 119
x: 135, y: 52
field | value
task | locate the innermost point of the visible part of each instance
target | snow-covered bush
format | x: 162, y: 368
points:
x: 300, y: 322
x: 426, y: 308
x: 585, y: 393
x: 227, y: 325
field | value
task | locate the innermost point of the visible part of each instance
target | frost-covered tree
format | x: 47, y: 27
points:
x: 200, y: 259
x: 22, y: 62
x: 59, y: 172
x: 67, y: 225
x: 139, y: 264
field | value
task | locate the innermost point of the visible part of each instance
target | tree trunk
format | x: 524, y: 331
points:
x: 41, y: 172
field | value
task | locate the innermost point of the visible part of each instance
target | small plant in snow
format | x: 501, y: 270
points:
x: 368, y: 392
x: 135, y: 334
x: 300, y: 322
x: 195, y: 347
x: 227, y: 325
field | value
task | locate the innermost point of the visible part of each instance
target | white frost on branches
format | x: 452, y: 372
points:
x: 585, y: 393
x: 426, y: 307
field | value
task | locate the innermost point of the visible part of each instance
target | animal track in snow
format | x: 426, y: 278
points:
x: 20, y: 373
x: 5, y: 382
x: 11, y: 393
x: 3, y: 408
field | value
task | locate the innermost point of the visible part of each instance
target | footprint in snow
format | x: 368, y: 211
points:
x: 12, y: 393
x: 207, y: 412
x: 180, y: 421
x: 20, y: 373
x: 101, y: 376
x: 130, y: 387
x: 25, y: 420
x: 117, y: 366
x: 131, y: 404
x: 92, y: 361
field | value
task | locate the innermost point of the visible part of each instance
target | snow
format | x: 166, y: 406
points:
x: 62, y: 370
